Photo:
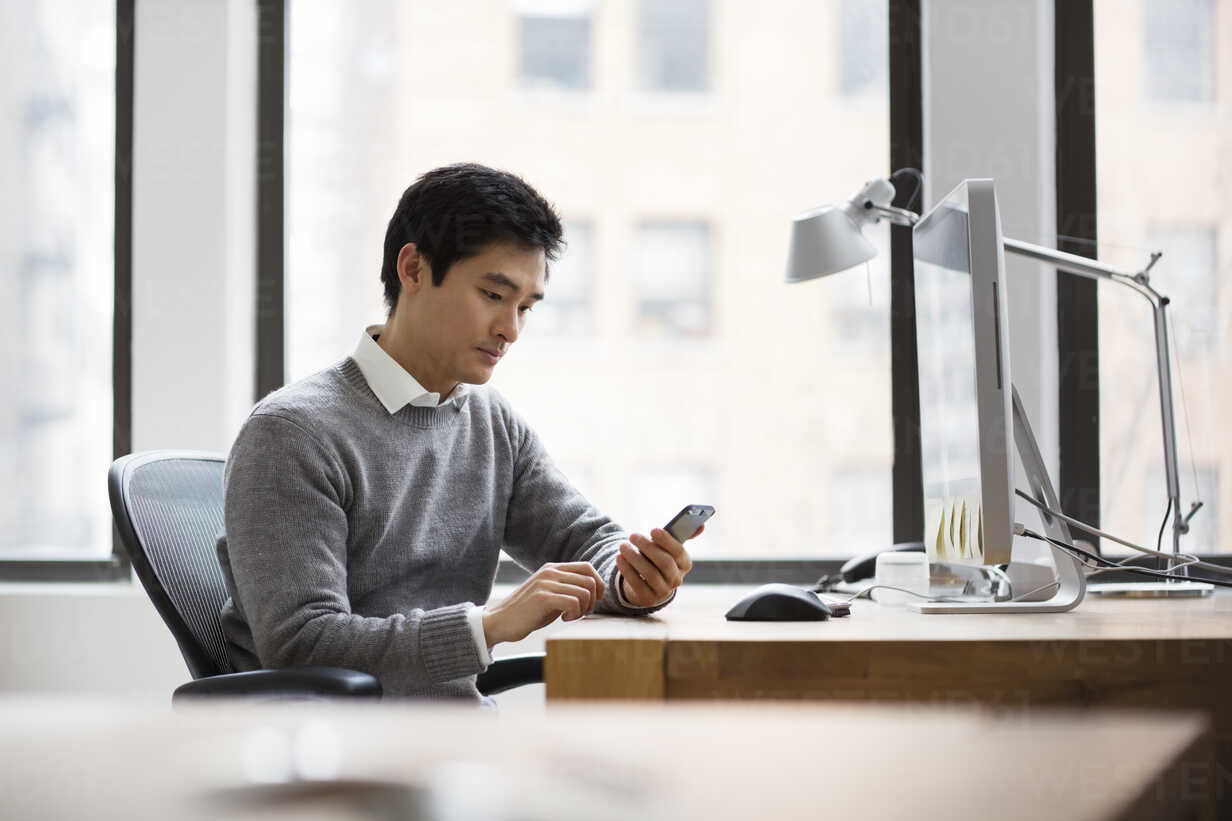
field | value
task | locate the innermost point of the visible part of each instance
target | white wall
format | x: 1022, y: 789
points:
x: 193, y: 231
x: 99, y: 638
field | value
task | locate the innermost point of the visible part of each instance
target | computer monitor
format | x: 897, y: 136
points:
x: 962, y: 337
x: 971, y: 422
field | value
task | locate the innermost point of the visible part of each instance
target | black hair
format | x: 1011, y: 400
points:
x: 454, y: 212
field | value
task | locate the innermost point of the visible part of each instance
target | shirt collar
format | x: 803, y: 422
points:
x: 392, y: 383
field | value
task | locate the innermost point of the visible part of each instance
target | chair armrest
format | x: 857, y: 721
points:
x: 288, y: 682
x: 507, y: 673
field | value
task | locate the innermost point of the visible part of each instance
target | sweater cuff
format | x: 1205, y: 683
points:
x: 618, y: 582
x: 447, y: 645
x: 474, y: 617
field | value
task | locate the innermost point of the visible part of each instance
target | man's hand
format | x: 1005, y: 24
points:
x: 569, y: 590
x: 652, y: 570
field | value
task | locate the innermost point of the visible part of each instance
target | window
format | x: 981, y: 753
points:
x: 57, y: 169
x: 1155, y: 176
x: 673, y: 51
x: 1178, y: 50
x: 554, y: 44
x: 864, y: 56
x: 566, y: 309
x: 672, y: 270
x: 1186, y: 274
x: 699, y: 361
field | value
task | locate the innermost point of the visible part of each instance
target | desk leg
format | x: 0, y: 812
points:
x: 625, y: 669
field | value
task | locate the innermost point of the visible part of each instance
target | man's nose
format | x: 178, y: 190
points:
x: 509, y: 326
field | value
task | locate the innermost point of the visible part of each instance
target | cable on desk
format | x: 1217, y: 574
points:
x: 1099, y: 564
x: 1190, y: 560
x: 942, y: 599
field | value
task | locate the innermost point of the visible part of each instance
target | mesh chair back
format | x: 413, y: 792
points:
x: 168, y: 507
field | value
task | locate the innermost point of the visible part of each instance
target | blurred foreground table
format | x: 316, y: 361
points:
x: 95, y: 759
x: 1124, y: 653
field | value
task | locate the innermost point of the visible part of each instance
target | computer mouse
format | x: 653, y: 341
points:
x: 780, y: 602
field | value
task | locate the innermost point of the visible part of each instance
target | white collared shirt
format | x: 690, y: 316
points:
x: 393, y: 384
x: 396, y: 388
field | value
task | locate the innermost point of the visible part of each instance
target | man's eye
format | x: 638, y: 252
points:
x: 492, y: 295
x: 526, y: 309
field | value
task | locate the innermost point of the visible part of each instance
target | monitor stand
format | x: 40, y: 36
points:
x: 1070, y: 577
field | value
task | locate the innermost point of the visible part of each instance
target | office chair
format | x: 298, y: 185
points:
x: 168, y: 508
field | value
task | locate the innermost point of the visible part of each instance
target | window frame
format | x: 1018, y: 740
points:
x: 117, y: 566
x: 1077, y: 298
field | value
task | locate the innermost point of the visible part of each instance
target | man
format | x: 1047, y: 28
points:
x: 366, y: 505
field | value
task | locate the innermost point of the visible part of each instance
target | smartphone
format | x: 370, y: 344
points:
x: 685, y: 523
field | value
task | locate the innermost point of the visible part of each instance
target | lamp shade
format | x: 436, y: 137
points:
x: 825, y: 241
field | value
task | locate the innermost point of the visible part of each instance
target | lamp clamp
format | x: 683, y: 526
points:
x: 1143, y: 277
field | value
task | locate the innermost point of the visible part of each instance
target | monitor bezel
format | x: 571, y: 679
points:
x: 990, y: 333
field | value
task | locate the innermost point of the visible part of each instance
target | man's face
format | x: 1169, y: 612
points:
x: 465, y: 325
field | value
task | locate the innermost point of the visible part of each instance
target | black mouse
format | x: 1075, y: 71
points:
x: 780, y: 602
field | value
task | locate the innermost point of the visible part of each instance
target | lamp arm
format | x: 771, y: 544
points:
x: 897, y: 216
x: 1084, y: 267
x: 1140, y: 282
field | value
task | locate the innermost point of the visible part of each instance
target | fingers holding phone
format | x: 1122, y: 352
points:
x: 652, y: 568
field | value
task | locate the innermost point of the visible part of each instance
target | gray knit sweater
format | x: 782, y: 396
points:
x: 356, y: 538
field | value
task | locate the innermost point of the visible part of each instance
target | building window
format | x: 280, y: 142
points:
x: 672, y: 274
x: 863, y: 49
x: 554, y: 40
x: 57, y: 167
x: 1187, y: 275
x: 566, y: 309
x: 1178, y: 63
x: 673, y: 51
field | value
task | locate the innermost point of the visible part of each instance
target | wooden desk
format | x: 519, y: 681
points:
x: 398, y: 760
x: 1108, y: 652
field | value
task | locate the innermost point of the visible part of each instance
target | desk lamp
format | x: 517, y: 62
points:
x: 829, y: 239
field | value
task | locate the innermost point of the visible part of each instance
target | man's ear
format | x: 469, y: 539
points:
x: 413, y: 270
